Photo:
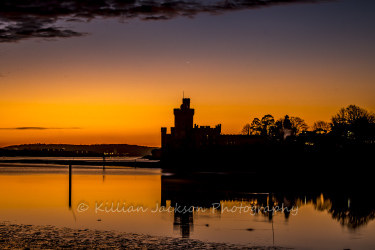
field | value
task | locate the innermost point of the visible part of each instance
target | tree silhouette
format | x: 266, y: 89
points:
x: 298, y: 125
x: 246, y: 130
x: 256, y: 127
x: 354, y: 122
x: 321, y: 127
x: 279, y: 124
x: 267, y: 123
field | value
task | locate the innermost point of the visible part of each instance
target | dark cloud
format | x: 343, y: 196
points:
x: 35, y: 128
x: 22, y: 19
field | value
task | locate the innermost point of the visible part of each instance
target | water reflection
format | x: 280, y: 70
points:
x: 353, y: 211
x: 211, y: 191
x: 204, y: 190
x: 39, y: 196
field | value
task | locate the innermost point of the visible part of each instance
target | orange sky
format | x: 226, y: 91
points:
x: 120, y: 83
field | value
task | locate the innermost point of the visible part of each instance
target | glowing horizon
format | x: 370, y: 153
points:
x: 121, y: 82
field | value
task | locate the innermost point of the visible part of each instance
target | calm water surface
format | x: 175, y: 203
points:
x: 130, y: 200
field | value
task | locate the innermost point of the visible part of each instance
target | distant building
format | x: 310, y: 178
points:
x: 186, y: 137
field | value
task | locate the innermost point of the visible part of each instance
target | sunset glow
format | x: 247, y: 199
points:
x: 120, y: 83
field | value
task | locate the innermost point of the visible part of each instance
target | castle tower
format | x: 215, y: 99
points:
x: 183, y: 120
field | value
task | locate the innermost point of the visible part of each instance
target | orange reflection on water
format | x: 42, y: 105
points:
x: 44, y: 190
x: 34, y: 191
x: 36, y: 197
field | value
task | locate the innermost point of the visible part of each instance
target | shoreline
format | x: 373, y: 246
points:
x: 134, y: 164
x: 19, y: 236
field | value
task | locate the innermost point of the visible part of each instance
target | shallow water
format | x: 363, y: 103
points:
x: 148, y: 201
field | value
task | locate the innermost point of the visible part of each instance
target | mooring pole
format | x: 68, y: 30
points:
x: 70, y: 185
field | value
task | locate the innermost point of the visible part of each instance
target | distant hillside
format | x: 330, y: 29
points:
x: 67, y: 149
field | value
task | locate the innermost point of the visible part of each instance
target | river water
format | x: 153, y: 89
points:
x: 215, y: 207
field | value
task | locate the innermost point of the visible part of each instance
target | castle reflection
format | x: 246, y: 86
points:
x: 214, y: 193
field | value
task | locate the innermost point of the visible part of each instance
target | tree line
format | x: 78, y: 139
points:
x: 267, y: 126
x: 351, y: 122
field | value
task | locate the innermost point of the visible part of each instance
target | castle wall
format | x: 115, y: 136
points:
x: 186, y: 138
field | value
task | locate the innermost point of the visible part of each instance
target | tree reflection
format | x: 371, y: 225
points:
x: 353, y: 218
x: 351, y: 208
x: 351, y: 211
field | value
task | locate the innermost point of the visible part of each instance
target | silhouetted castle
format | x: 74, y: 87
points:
x: 187, y: 138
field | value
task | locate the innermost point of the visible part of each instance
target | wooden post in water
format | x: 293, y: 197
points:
x: 270, y: 214
x: 270, y: 206
x: 70, y: 186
